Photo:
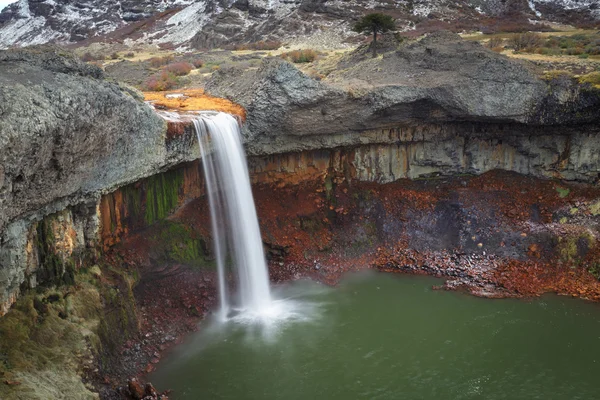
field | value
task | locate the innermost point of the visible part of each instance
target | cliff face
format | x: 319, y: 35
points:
x: 440, y: 79
x: 66, y: 137
x: 439, y: 107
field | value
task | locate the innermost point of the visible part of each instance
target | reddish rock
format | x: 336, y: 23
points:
x: 135, y: 389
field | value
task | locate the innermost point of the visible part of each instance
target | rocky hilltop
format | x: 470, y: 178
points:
x: 213, y: 23
x: 458, y: 89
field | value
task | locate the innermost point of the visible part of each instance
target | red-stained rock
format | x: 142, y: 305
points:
x: 135, y: 389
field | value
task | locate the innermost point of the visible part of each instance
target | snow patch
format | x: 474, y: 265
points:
x: 24, y: 10
x: 532, y: 7
x: 26, y: 32
x: 184, y: 25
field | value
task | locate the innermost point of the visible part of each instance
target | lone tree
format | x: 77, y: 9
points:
x: 373, y: 24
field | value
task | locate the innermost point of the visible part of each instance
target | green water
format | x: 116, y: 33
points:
x: 381, y: 336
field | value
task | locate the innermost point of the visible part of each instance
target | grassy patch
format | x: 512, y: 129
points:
x: 583, y: 45
x: 595, y: 208
x: 592, y: 78
x: 562, y: 192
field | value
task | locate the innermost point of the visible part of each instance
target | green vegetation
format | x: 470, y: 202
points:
x: 568, y: 247
x: 594, y: 269
x: 595, y: 208
x: 583, y: 45
x: 181, y: 244
x: 52, y: 270
x: 119, y: 318
x: 162, y: 194
x: 373, y: 24
x: 48, y: 335
x: 562, y: 192
x: 172, y: 241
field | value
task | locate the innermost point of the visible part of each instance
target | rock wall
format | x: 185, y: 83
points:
x: 72, y: 142
x: 67, y: 136
x: 413, y: 152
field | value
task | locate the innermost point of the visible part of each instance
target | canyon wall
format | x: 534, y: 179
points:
x: 84, y: 162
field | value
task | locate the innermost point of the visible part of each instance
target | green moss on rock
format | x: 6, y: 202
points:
x: 162, y: 194
x: 181, y: 244
x: 571, y: 249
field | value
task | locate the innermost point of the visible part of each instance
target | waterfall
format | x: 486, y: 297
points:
x: 236, y: 234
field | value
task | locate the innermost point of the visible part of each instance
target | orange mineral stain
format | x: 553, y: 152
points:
x: 193, y: 100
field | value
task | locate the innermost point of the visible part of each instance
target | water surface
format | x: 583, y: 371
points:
x: 383, y: 336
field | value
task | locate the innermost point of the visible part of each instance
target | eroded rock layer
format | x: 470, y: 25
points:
x: 73, y: 143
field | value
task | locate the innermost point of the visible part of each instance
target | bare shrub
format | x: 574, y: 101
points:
x: 527, y: 40
x: 179, y: 68
x: 495, y: 42
x: 89, y: 57
x: 162, y: 81
x: 157, y: 62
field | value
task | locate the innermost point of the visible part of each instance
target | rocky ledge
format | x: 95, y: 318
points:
x: 440, y: 80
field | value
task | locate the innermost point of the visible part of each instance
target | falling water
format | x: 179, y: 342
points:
x: 233, y: 214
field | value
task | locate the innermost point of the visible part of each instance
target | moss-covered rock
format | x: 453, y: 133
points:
x: 50, y: 338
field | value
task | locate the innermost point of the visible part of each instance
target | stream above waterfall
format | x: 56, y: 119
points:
x: 382, y: 336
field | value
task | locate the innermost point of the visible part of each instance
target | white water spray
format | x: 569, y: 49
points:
x: 233, y: 214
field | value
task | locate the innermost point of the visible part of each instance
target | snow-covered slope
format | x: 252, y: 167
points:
x: 29, y: 22
x: 210, y: 23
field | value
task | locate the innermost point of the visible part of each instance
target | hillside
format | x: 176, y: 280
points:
x: 213, y: 23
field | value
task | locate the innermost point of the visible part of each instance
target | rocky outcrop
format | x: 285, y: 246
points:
x: 441, y: 78
x: 66, y: 137
x: 441, y: 93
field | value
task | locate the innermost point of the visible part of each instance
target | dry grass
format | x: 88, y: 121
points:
x: 504, y: 35
x: 591, y: 78
x: 300, y: 56
x: 194, y: 100
x: 260, y: 46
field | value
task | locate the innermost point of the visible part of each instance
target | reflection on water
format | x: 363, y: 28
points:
x: 379, y: 336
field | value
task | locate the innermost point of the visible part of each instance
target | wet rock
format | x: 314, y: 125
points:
x: 150, y: 391
x: 136, y: 390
